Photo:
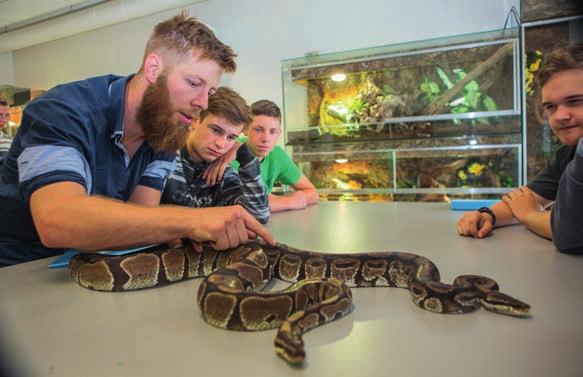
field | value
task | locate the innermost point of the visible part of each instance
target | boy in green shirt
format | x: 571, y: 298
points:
x: 276, y: 165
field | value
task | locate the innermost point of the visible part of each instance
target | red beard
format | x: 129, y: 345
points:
x: 155, y: 116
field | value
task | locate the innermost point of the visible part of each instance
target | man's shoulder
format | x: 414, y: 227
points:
x: 76, y: 96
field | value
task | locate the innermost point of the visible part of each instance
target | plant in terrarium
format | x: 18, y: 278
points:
x: 471, y: 99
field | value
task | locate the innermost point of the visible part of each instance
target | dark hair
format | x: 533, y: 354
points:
x: 3, y: 102
x: 266, y: 107
x: 559, y: 60
x: 183, y: 34
x: 228, y: 104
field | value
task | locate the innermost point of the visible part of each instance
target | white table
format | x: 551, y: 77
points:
x: 52, y: 327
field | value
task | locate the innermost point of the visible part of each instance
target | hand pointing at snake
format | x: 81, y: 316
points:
x: 226, y: 227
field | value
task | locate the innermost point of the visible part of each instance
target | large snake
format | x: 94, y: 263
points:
x: 230, y: 296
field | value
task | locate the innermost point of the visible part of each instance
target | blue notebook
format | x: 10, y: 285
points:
x: 471, y: 204
x: 63, y: 260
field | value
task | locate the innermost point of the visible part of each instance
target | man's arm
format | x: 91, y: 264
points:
x: 304, y: 195
x: 245, y: 188
x: 65, y: 217
x: 566, y: 218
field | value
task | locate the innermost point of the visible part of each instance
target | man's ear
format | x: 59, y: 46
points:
x: 153, y: 67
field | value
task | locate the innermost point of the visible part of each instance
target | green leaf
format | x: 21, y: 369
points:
x: 433, y: 87
x: 459, y: 110
x: 443, y: 76
x: 472, y: 86
x: 459, y: 73
x: 471, y: 98
x: 489, y: 103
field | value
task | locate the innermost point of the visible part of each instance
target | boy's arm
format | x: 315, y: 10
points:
x: 245, y: 188
x: 479, y: 225
x: 145, y: 195
x: 216, y: 170
x: 304, y: 195
x: 528, y: 208
x: 566, y: 218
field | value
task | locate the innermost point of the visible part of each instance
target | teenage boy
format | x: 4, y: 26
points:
x: 213, y: 134
x: 561, y: 83
x: 88, y: 166
x: 276, y: 165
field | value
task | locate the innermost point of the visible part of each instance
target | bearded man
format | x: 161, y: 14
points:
x: 89, y: 163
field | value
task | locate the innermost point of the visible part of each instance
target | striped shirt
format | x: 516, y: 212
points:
x: 186, y: 187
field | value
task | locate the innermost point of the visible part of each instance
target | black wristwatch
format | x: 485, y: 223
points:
x: 489, y: 212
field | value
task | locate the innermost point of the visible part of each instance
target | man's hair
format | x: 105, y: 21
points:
x: 563, y: 59
x: 183, y: 34
x: 227, y: 104
x: 266, y: 107
x: 3, y: 102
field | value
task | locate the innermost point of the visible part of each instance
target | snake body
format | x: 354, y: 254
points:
x: 231, y: 296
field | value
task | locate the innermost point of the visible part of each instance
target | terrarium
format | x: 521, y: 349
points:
x: 427, y: 119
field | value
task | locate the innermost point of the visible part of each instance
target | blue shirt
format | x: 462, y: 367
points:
x: 71, y: 133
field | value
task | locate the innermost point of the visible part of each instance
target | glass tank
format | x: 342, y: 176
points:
x: 424, y: 120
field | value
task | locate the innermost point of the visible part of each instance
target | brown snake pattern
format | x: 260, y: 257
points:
x: 230, y: 296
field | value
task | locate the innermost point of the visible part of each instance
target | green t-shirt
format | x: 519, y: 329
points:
x: 277, y: 166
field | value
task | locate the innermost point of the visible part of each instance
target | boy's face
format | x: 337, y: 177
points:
x: 263, y: 134
x: 4, y: 116
x: 211, y: 138
x: 562, y: 101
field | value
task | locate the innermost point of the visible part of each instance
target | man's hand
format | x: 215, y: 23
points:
x: 227, y: 227
x: 522, y: 203
x: 475, y: 224
x: 216, y: 169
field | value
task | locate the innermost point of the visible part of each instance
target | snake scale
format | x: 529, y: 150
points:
x: 231, y: 296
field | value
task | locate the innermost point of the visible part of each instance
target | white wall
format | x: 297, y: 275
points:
x: 263, y: 32
x: 6, y: 69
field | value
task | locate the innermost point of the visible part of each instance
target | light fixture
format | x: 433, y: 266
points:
x: 473, y: 141
x: 338, y: 77
x: 341, y: 160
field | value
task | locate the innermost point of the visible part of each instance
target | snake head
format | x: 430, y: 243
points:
x: 501, y: 303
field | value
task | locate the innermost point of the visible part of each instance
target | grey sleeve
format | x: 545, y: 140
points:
x: 567, y: 214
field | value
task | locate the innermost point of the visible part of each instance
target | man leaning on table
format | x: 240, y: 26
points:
x: 561, y: 83
x: 88, y: 166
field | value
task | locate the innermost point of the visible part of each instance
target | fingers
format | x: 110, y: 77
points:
x: 485, y: 229
x: 470, y: 224
x: 252, y: 225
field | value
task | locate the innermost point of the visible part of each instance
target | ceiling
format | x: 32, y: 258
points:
x: 24, y: 23
x: 14, y: 12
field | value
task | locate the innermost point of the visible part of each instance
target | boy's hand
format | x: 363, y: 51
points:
x: 216, y: 169
x: 475, y: 224
x: 522, y: 203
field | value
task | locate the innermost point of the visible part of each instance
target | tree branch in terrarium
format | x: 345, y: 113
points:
x: 438, y: 104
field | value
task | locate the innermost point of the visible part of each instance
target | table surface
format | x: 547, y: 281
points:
x: 50, y: 326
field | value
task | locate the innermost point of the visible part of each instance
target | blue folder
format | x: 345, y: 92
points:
x: 471, y: 204
x: 63, y: 260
